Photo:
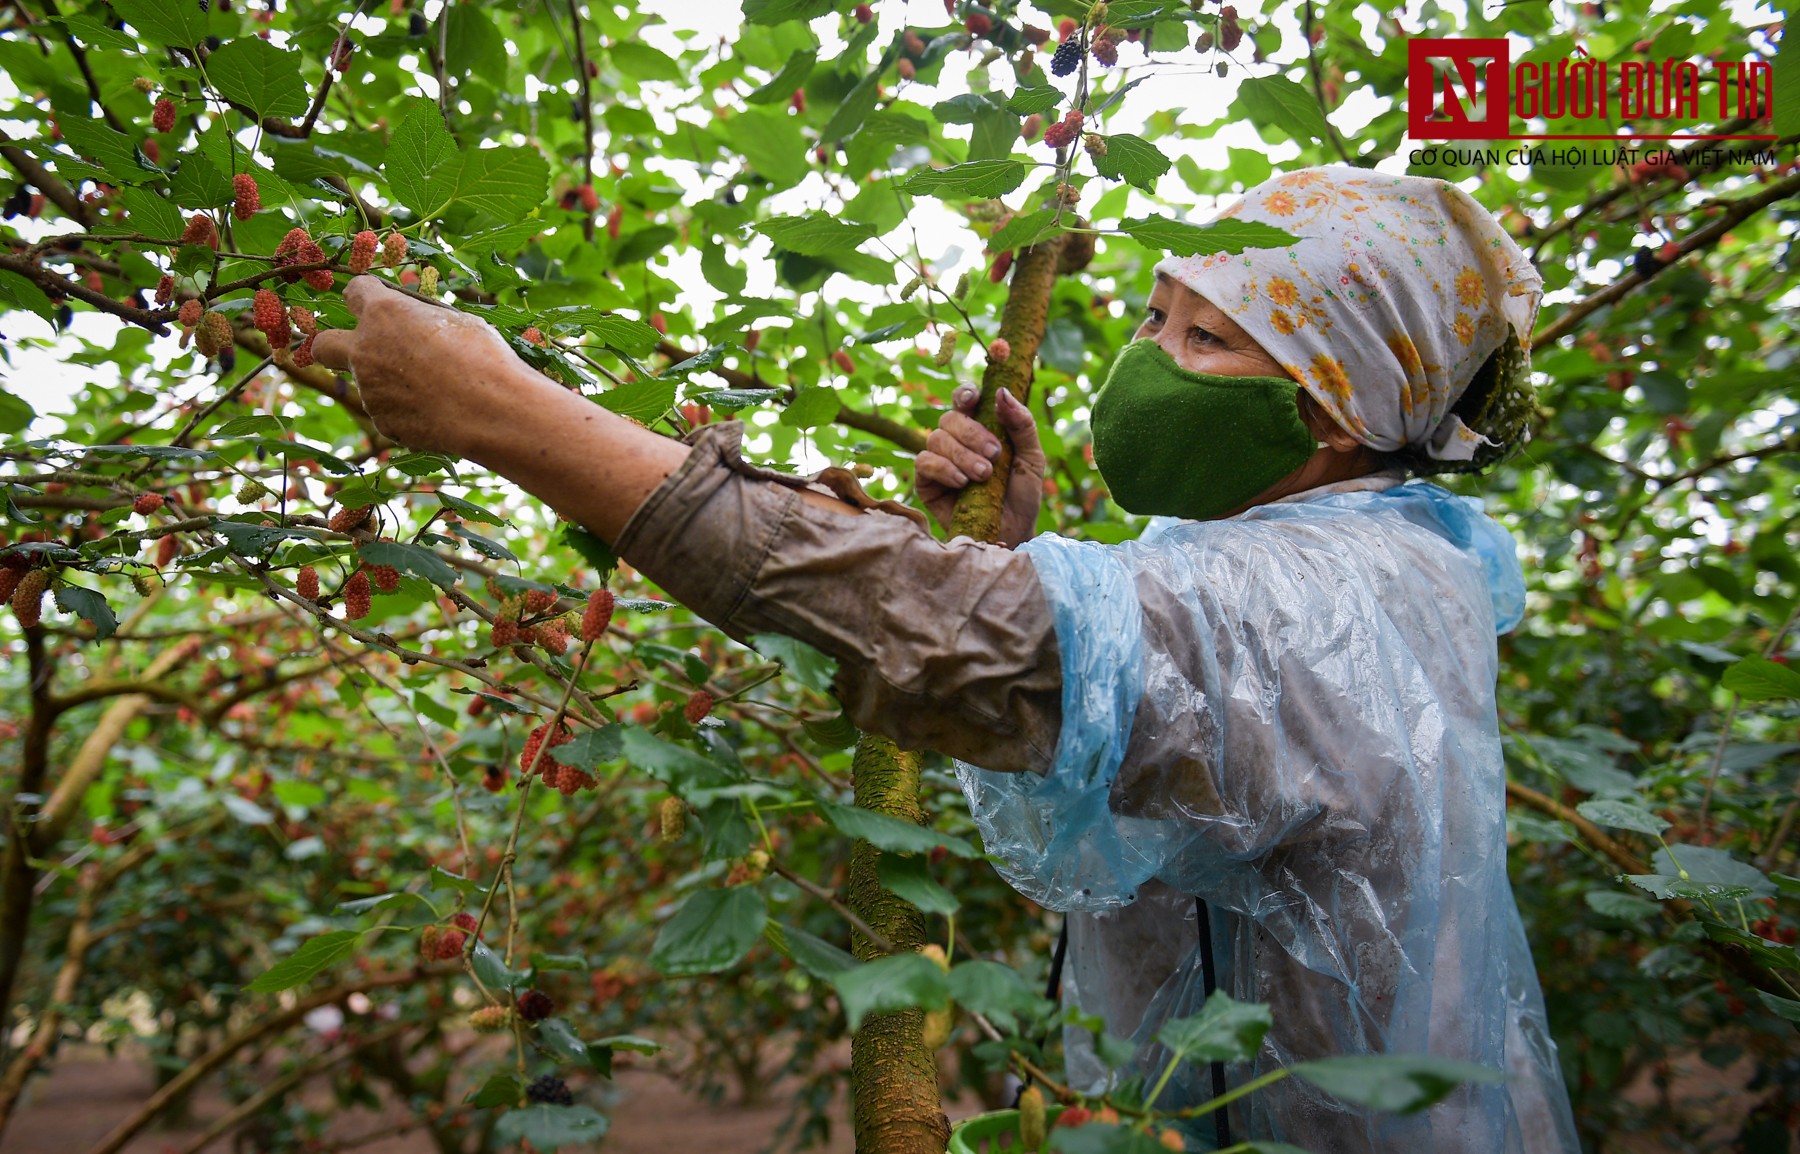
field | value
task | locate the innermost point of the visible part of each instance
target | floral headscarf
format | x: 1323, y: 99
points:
x: 1398, y: 291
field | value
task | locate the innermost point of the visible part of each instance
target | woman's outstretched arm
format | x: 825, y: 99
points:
x: 941, y: 646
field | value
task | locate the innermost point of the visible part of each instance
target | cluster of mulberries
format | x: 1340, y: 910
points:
x: 247, y: 199
x: 28, y: 597
x: 491, y: 1019
x: 165, y: 289
x: 306, y: 583
x: 699, y: 704
x: 533, y: 335
x: 393, y: 250
x: 162, y: 116
x: 1064, y: 131
x: 147, y: 503
x: 346, y: 519
x: 439, y: 944
x: 553, y: 635
x: 549, y: 1090
x: 362, y: 252
x: 598, y: 615
x: 538, y: 601
x: 252, y: 492
x: 671, y: 820
x: 535, y: 1005
x: 269, y: 315
x: 303, y: 320
x: 978, y: 24
x: 358, y: 599
x: 1067, y: 57
x: 12, y: 571
x: 530, y: 761
x: 214, y: 334
x: 385, y: 577
x: 190, y: 312
x: 493, y: 779
x: 1105, y: 47
x: 999, y: 350
x: 167, y: 548
x: 946, y: 348
x: 1231, y: 33
x: 201, y: 230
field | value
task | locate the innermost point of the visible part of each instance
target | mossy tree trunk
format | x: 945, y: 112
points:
x: 893, y: 1078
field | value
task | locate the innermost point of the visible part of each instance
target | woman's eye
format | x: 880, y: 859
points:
x: 1202, y: 335
x: 1153, y: 316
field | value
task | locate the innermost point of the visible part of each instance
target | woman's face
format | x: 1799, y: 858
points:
x: 1200, y: 337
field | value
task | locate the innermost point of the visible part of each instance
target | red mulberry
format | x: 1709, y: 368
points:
x: 698, y: 706
x: 303, y: 355
x: 538, y: 601
x: 190, y: 313
x: 165, y: 289
x: 598, y: 615
x: 12, y: 571
x: 166, y: 550
x: 535, y: 1005
x: 490, y: 1019
x: 346, y: 519
x: 393, y: 250
x: 269, y: 316
x: 505, y: 631
x: 248, y: 201
x: 147, y: 503
x: 306, y: 583
x: 1064, y: 131
x: 614, y: 218
x: 978, y: 23
x: 533, y: 741
x: 213, y: 335
x: 999, y: 350
x: 162, y: 117
x: 494, y: 780
x: 309, y: 252
x: 357, y: 598
x: 465, y: 921
x: 28, y: 598
x: 303, y: 320
x: 1105, y: 48
x: 450, y: 945
x: 362, y: 252
x: 201, y: 230
x: 386, y: 577
x: 588, y: 198
x: 553, y: 635
x: 533, y: 334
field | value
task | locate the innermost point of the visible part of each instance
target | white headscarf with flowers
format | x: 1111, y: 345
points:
x: 1399, y: 289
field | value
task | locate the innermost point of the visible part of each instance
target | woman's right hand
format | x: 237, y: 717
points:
x: 961, y: 449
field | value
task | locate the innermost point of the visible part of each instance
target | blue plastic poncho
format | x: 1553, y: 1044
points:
x: 1290, y: 714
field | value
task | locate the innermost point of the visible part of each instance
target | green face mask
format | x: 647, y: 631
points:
x: 1182, y: 444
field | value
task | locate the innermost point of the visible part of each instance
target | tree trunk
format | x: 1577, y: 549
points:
x: 893, y: 1077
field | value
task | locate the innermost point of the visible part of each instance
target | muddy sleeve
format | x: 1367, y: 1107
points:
x: 940, y: 645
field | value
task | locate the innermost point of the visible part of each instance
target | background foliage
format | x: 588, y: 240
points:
x: 223, y: 790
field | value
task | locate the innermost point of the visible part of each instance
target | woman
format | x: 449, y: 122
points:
x: 1260, y: 743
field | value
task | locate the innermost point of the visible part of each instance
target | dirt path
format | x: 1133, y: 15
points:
x: 87, y: 1094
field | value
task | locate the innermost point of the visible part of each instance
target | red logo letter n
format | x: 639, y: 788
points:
x: 1465, y: 82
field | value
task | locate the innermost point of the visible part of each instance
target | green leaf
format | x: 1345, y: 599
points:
x: 590, y: 749
x: 554, y: 1035
x: 891, y: 833
x: 798, y: 660
x: 817, y: 234
x: 896, y: 982
x: 418, y: 147
x: 814, y: 406
x: 15, y: 415
x: 317, y: 955
x: 854, y: 109
x: 1035, y: 98
x: 592, y: 550
x: 644, y: 399
x: 501, y: 182
x: 170, y: 22
x: 815, y: 955
x: 1708, y: 865
x: 151, y: 215
x: 910, y: 877
x: 198, y: 183
x: 1132, y: 159
x: 364, y: 905
x: 1027, y: 228
x: 837, y: 732
x: 563, y: 963
x: 413, y: 559
x: 493, y: 971
x: 996, y: 991
x: 1225, y: 1030
x: 468, y: 510
x: 712, y: 931
x: 1180, y: 238
x: 1757, y: 679
x: 1625, y: 907
x: 1622, y: 815
x: 779, y: 11
x: 549, y: 1127
x: 676, y: 766
x: 89, y: 606
x: 772, y: 143
x: 1400, y: 1083
x: 258, y: 75
x: 977, y: 178
x: 499, y: 1090
x: 1279, y: 103
x: 474, y: 47
x: 1781, y: 1007
x: 781, y: 86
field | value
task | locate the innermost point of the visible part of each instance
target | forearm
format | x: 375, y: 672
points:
x: 589, y: 464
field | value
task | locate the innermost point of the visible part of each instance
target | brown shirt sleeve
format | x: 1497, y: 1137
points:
x: 945, y: 646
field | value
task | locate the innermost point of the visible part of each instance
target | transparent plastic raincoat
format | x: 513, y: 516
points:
x: 1290, y: 715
